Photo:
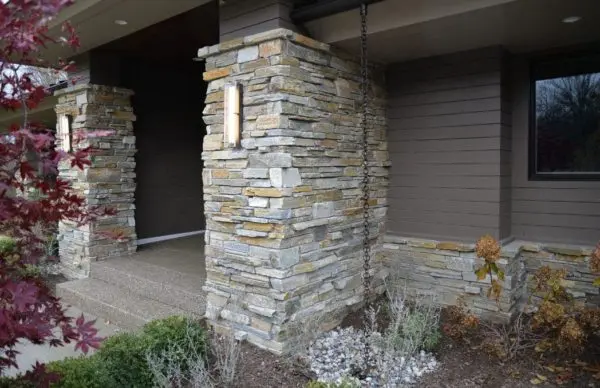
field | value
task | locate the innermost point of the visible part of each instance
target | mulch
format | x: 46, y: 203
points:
x: 463, y: 365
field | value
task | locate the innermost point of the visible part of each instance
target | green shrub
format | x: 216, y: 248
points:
x: 15, y: 382
x: 124, y: 358
x: 81, y: 372
x: 125, y: 355
x: 418, y: 326
x: 176, y: 331
x: 347, y: 382
x: 7, y: 244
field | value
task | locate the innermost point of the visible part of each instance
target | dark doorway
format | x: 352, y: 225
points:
x: 156, y: 63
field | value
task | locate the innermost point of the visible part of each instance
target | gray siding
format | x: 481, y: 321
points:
x: 449, y: 140
x: 550, y: 211
x: 239, y: 18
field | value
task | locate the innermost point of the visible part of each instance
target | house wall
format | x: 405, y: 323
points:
x: 169, y: 132
x: 448, y: 133
x: 547, y: 211
x: 239, y: 18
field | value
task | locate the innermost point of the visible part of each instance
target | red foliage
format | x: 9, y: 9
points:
x: 28, y: 310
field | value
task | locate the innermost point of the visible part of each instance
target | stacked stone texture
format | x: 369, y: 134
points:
x: 108, y: 181
x: 284, y: 218
x: 446, y: 271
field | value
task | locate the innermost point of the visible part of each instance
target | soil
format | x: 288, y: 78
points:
x: 261, y: 369
x: 462, y: 365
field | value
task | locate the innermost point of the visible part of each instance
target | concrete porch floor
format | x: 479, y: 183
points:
x: 160, y: 280
x: 183, y: 255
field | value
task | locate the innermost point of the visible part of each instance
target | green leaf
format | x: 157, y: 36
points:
x: 481, y: 272
x: 500, y: 274
x: 596, y: 282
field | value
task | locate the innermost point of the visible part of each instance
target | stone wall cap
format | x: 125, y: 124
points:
x: 510, y: 247
x: 100, y: 88
x: 261, y: 37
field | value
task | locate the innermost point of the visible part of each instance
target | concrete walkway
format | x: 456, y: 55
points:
x: 30, y: 353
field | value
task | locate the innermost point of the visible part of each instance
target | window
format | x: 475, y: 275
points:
x: 565, y: 119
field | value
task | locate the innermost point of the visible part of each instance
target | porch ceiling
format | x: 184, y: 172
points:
x: 408, y: 29
x: 95, y: 20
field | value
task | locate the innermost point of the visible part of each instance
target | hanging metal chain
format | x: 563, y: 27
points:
x: 364, y: 123
x: 364, y: 64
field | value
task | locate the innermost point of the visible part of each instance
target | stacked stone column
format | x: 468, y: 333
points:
x: 284, y: 217
x: 108, y: 181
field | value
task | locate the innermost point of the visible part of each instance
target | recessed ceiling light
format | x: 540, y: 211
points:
x: 121, y: 22
x: 571, y: 19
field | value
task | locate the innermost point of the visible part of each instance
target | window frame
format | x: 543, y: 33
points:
x: 534, y: 64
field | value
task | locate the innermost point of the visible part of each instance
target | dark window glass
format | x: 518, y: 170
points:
x: 566, y: 128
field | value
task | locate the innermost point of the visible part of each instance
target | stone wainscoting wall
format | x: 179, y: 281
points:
x: 283, y: 212
x: 445, y: 269
x: 109, y: 180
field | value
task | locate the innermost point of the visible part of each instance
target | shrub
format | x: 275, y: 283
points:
x: 180, y: 332
x: 346, y: 382
x: 81, y: 372
x: 7, y: 245
x: 181, y: 360
x: 124, y: 357
x: 460, y: 322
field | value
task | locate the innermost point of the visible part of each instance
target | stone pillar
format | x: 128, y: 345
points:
x: 109, y: 180
x: 283, y: 212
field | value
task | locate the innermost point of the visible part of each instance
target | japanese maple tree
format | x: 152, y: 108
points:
x: 28, y: 157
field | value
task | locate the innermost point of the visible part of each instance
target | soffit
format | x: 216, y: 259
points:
x: 94, y: 20
x: 518, y: 25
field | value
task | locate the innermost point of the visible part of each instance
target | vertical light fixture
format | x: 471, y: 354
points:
x: 64, y: 132
x: 232, y: 122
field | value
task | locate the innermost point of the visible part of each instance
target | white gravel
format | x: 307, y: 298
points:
x: 340, y: 353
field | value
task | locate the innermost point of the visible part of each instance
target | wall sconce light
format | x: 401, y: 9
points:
x: 232, y: 122
x: 64, y: 132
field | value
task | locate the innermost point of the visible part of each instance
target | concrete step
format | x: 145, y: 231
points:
x: 118, y: 305
x: 168, y: 286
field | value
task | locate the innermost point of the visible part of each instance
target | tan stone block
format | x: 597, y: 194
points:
x: 260, y: 241
x: 328, y: 143
x: 214, y: 97
x: 566, y: 251
x: 258, y: 227
x: 331, y: 195
x: 289, y: 61
x: 309, y: 42
x: 351, y: 162
x: 231, y: 44
x: 216, y: 73
x: 261, y: 325
x: 255, y: 88
x: 302, y: 189
x: 353, y: 211
x: 452, y: 246
x: 253, y: 65
x: 265, y: 192
x: 268, y: 121
x: 268, y: 49
x: 220, y: 174
x: 422, y: 244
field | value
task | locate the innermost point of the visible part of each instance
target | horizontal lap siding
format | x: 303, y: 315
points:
x: 551, y: 211
x: 450, y: 156
x: 241, y: 18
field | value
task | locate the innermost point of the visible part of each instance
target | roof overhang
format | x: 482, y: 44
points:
x: 407, y: 29
x: 96, y: 21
